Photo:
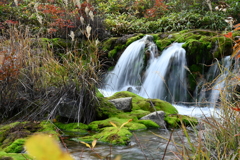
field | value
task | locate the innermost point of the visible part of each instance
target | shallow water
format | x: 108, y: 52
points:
x: 143, y: 145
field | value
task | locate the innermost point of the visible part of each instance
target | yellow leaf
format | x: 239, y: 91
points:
x: 125, y: 123
x: 118, y: 157
x: 86, y: 144
x: 44, y: 147
x: 114, y: 125
x: 94, y: 142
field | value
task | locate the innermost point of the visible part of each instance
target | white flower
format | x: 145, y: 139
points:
x: 72, y: 35
x: 91, y: 15
x: 82, y: 20
x: 89, y: 28
x: 86, y: 10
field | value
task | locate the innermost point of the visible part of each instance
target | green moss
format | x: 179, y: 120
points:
x: 99, y: 94
x: 134, y: 38
x: 133, y: 114
x: 100, y: 125
x: 78, y: 128
x: 164, y: 43
x: 15, y: 147
x: 175, y: 120
x: 48, y: 128
x: 109, y: 44
x: 149, y: 123
x: 14, y: 156
x: 112, y: 53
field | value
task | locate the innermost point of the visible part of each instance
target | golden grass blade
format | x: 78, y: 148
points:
x: 114, y: 125
x: 86, y: 144
x: 125, y: 123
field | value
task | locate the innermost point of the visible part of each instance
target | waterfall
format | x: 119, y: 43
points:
x: 220, y: 81
x: 127, y: 72
x: 166, y: 76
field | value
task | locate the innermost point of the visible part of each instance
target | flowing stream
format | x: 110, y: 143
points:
x: 164, y: 77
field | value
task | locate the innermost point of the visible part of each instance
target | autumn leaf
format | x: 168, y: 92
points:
x: 45, y: 147
x: 228, y: 35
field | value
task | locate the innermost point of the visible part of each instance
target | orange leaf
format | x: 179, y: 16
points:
x: 238, y: 28
x: 237, y: 25
x: 228, y: 35
x: 235, y: 109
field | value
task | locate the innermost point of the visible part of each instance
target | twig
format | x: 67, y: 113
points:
x: 140, y: 146
x: 167, y: 145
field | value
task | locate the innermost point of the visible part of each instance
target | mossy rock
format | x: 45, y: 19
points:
x: 110, y: 135
x: 175, y: 120
x: 14, y: 156
x: 13, y: 135
x: 140, y: 103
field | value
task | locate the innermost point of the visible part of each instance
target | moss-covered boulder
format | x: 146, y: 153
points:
x: 151, y: 105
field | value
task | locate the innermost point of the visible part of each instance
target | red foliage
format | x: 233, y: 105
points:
x: 10, y: 67
x: 157, y: 10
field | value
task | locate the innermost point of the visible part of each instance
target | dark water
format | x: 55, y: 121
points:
x: 144, y: 145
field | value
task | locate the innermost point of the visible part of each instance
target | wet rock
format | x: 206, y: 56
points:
x: 157, y: 117
x: 124, y: 104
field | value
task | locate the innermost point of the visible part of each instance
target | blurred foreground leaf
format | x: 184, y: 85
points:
x: 44, y: 147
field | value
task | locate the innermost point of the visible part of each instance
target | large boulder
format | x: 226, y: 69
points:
x: 124, y: 104
x: 157, y: 117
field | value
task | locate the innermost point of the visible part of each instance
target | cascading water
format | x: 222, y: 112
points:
x: 166, y: 76
x: 127, y: 72
x: 210, y: 93
x: 220, y: 82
